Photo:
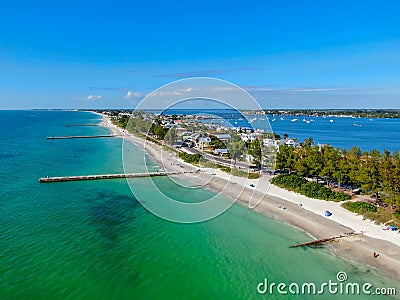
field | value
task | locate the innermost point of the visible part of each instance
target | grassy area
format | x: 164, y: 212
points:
x: 314, y: 190
x: 377, y: 214
x: 360, y: 207
x: 233, y: 171
x: 382, y: 216
x: 241, y: 173
x: 225, y: 169
x: 190, y: 158
x: 170, y: 149
x: 209, y: 164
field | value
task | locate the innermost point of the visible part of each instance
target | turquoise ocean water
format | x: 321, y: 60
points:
x: 93, y: 240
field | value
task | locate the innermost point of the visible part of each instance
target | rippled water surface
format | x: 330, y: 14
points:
x: 93, y: 240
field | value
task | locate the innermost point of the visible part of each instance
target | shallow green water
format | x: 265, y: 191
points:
x: 93, y: 240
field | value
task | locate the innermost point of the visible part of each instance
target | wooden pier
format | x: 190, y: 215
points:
x: 76, y: 125
x: 321, y: 241
x: 81, y: 136
x: 109, y: 176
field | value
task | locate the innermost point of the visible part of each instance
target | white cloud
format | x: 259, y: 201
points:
x: 130, y: 94
x: 91, y: 97
x: 315, y: 90
x: 188, y: 90
x: 178, y: 92
x: 299, y: 90
x: 224, y: 88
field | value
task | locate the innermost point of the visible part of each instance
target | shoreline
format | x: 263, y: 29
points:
x: 308, y: 217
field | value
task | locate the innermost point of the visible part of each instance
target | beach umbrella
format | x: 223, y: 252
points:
x: 328, y: 213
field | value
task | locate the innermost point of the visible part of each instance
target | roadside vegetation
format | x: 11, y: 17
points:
x: 190, y: 158
x: 154, y: 131
x: 233, y: 171
x: 371, y: 173
x: 314, y: 190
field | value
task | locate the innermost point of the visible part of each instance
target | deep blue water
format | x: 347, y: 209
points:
x: 343, y: 132
x: 365, y: 133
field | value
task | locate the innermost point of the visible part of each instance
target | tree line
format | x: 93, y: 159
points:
x: 373, y: 172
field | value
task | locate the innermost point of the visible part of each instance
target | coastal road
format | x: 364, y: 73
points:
x: 219, y: 160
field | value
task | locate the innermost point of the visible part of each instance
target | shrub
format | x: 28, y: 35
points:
x: 289, y: 181
x: 310, y: 189
x: 360, y: 207
x: 225, y: 169
x: 253, y: 175
x: 190, y: 158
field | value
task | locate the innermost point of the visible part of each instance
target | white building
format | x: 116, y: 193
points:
x: 223, y: 136
x: 290, y: 142
x: 271, y: 143
x: 248, y: 137
x: 221, y: 152
x: 203, y: 141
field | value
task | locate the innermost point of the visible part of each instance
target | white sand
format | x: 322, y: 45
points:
x: 339, y: 214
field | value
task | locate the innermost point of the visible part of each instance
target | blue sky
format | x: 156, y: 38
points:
x: 287, y: 54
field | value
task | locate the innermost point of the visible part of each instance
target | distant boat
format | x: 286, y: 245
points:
x: 308, y: 122
x: 331, y: 121
x: 293, y: 120
x: 273, y: 120
x: 357, y: 125
x: 282, y: 118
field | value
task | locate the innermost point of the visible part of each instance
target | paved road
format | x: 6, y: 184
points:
x: 222, y: 161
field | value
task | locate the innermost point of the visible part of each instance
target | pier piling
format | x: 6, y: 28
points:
x: 76, y: 125
x: 109, y: 176
x: 321, y: 241
x: 81, y: 137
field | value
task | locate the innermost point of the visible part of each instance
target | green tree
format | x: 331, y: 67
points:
x: 160, y: 132
x: 170, y: 136
x: 236, y: 150
x: 216, y: 143
x: 331, y: 158
x: 307, y: 143
x: 255, y: 151
x: 286, y: 158
x: 368, y: 175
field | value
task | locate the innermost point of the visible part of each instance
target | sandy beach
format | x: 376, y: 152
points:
x: 294, y: 209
